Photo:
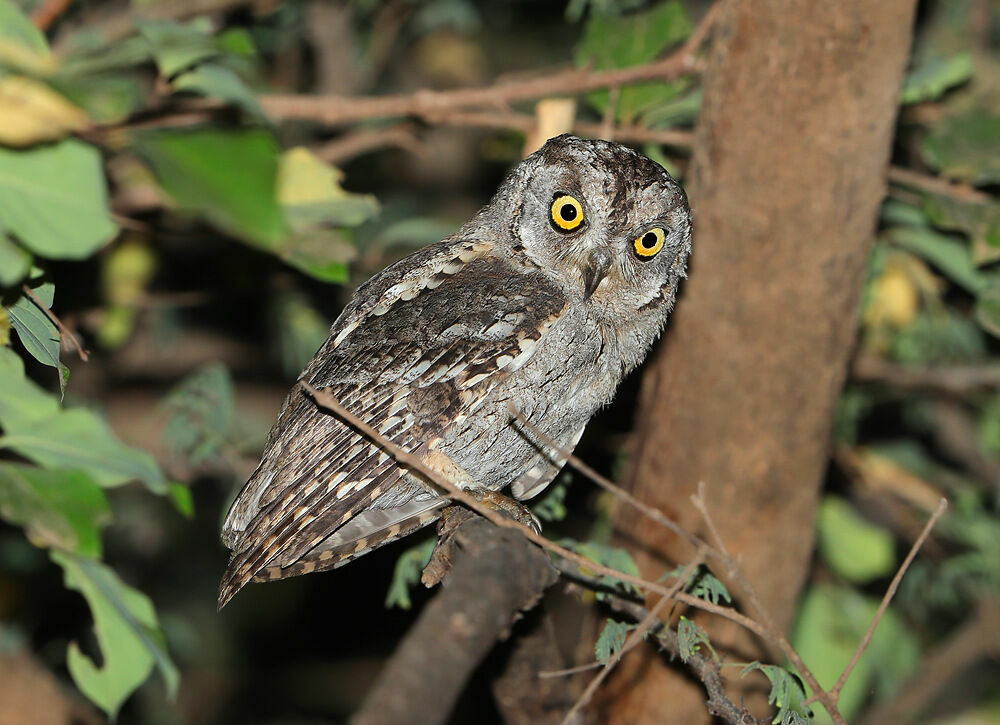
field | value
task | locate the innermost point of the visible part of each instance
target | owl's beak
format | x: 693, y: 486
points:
x: 597, y: 268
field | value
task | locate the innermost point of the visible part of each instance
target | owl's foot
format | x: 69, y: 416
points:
x: 507, y: 506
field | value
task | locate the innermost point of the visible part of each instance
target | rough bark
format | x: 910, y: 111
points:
x: 788, y: 171
x: 495, y: 573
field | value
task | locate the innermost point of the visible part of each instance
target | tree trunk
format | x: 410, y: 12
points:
x: 788, y: 171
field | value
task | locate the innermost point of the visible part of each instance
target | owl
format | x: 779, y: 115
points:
x: 542, y: 302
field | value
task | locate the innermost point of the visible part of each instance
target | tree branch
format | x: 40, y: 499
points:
x: 496, y: 575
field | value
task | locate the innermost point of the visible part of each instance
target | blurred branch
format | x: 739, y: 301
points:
x: 495, y: 575
x: 48, y: 12
x: 346, y: 147
x: 344, y: 109
x: 937, y: 185
x: 955, y: 379
x: 977, y: 638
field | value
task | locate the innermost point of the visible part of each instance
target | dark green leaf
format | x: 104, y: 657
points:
x: 202, y: 414
x: 980, y: 221
x: 127, y: 630
x: 611, y: 639
x: 177, y: 47
x: 54, y: 199
x: 988, y: 309
x: 939, y: 338
x: 225, y: 176
x: 690, y: 638
x: 23, y: 402
x: 787, y: 692
x: 619, y: 42
x: 14, y: 262
x: 610, y: 557
x: 182, y: 499
x: 37, y: 332
x: 965, y: 147
x: 57, y: 508
x: 217, y: 81
x: 932, y: 77
x: 552, y: 506
x: 853, y: 547
x: 405, y: 576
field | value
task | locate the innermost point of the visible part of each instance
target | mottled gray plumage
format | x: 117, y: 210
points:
x: 517, y: 308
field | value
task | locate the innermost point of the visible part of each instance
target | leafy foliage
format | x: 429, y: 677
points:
x: 611, y: 639
x: 405, y: 576
x: 854, y: 548
x: 690, y: 638
x: 552, y: 506
x: 786, y: 693
x: 609, y: 556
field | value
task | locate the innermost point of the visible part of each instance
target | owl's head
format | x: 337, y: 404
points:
x: 611, y: 226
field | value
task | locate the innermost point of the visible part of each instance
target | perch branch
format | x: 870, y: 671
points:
x: 84, y: 355
x: 496, y: 575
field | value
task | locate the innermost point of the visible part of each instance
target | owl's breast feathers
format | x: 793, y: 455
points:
x: 416, y: 353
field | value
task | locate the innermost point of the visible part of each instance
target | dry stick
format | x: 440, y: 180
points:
x: 634, y: 638
x: 326, y: 400
x: 341, y: 109
x: 889, y: 594
x: 937, y: 185
x: 84, y: 355
x: 774, y: 633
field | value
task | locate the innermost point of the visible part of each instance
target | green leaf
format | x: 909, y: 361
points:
x: 610, y: 557
x: 988, y: 309
x: 78, y: 438
x: 300, y: 329
x: 980, y: 221
x: 311, y: 195
x: 831, y: 622
x: 177, y: 47
x: 54, y: 199
x: 611, y: 639
x: 217, y: 81
x: 948, y: 254
x: 23, y: 402
x: 57, y: 508
x: 787, y: 692
x: 932, y: 77
x: 938, y: 339
x: 39, y: 429
x: 128, y: 633
x: 690, y: 638
x: 22, y: 45
x: 619, y: 42
x: 180, y: 496
x: 552, y: 506
x: 202, y: 414
x: 14, y: 262
x: 37, y: 332
x: 322, y: 254
x: 407, y: 572
x: 853, y: 547
x: 227, y: 177
x: 965, y: 147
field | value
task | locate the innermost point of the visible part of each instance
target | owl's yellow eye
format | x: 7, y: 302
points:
x: 567, y: 213
x: 649, y: 244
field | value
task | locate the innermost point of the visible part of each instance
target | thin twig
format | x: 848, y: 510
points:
x: 889, y: 594
x: 607, y: 484
x: 84, y: 355
x: 346, y: 147
x: 546, y: 674
x: 954, y: 379
x: 637, y: 635
x: 332, y: 109
x: 773, y: 632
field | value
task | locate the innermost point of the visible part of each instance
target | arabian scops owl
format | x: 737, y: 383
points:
x: 544, y: 300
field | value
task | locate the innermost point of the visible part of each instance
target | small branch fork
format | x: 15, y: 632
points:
x: 764, y: 627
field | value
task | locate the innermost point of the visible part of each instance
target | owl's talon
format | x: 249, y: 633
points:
x: 508, y: 507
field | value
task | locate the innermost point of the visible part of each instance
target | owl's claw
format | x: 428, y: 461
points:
x: 508, y: 507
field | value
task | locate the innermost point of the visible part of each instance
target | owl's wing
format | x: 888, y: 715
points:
x: 419, y: 348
